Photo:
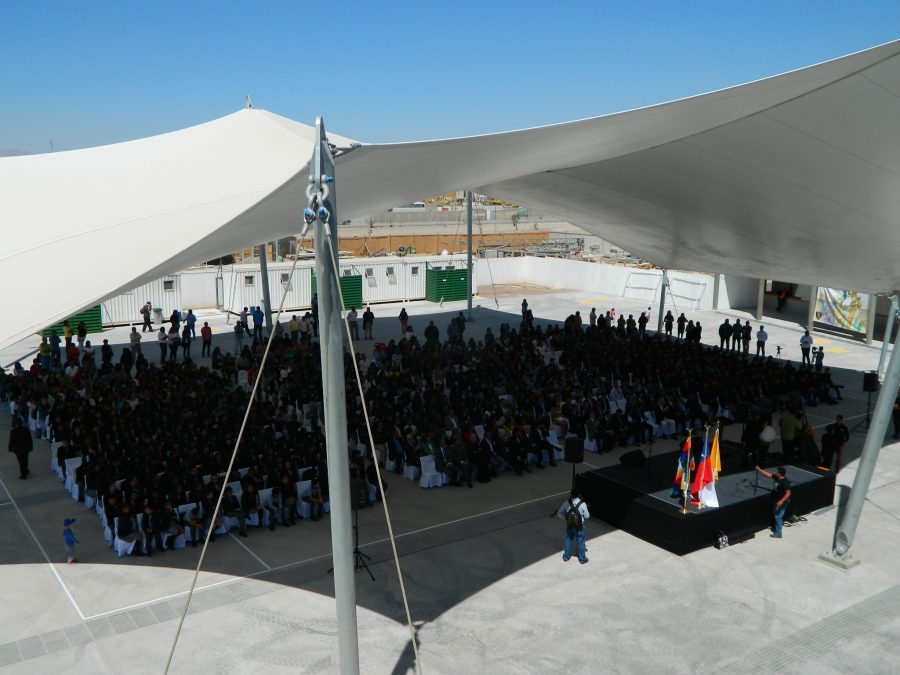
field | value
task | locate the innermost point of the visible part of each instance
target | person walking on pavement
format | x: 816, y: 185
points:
x: 20, y: 444
x: 70, y: 540
x: 145, y: 312
x: 575, y: 512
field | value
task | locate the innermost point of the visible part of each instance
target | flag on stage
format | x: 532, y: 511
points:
x: 715, y: 457
x: 685, y: 466
x: 704, y: 488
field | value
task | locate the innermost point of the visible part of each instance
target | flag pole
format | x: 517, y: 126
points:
x: 715, y: 466
x: 700, y: 504
x: 686, y: 476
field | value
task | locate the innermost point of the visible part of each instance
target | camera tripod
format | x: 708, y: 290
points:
x: 868, y: 419
x: 359, y: 558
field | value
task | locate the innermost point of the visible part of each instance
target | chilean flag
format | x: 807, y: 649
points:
x: 704, y: 488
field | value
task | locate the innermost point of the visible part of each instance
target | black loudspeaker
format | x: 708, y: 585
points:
x: 870, y: 382
x: 359, y: 494
x: 574, y: 450
x: 742, y: 412
x: 633, y: 459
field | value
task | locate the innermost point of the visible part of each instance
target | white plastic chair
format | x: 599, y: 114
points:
x: 303, y: 490
x: 411, y: 472
x: 265, y: 498
x: 180, y: 540
x: 431, y: 477
x: 54, y: 464
x: 71, y: 483
x: 89, y: 501
x: 650, y: 419
x: 668, y: 427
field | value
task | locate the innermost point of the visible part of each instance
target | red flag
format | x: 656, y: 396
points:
x: 704, y: 474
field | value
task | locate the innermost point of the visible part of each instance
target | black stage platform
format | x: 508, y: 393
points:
x: 638, y: 500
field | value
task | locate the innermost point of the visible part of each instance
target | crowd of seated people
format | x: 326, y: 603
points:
x: 156, y: 437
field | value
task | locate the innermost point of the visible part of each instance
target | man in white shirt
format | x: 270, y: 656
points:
x: 351, y: 321
x: 135, y: 339
x: 805, y: 344
x: 575, y: 512
x: 761, y: 337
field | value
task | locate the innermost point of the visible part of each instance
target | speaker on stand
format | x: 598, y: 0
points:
x: 574, y: 454
x: 870, y: 386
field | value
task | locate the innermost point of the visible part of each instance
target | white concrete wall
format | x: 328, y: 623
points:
x: 198, y: 289
x: 737, y: 292
x: 690, y: 289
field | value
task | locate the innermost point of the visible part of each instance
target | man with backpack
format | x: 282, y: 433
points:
x: 575, y: 512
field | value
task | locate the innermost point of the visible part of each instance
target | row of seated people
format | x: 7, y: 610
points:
x: 156, y: 528
x: 139, y: 524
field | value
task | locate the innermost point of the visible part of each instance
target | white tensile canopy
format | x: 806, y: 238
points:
x: 795, y: 177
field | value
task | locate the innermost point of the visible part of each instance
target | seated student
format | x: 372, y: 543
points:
x: 231, y: 507
x: 315, y: 499
x: 251, y: 505
x: 193, y: 521
x: 287, y: 495
x: 128, y: 530
x: 167, y: 523
x: 208, y: 508
x: 150, y: 527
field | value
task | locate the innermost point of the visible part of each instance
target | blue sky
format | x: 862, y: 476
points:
x: 90, y: 73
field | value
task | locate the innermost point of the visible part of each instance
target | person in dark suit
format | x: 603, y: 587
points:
x: 540, y: 443
x: 251, y: 504
x: 444, y: 463
x: 20, y: 444
x: 150, y: 527
x: 231, y: 507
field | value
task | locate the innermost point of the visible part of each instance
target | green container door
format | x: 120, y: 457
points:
x: 91, y: 318
x: 445, y: 284
x: 351, y: 290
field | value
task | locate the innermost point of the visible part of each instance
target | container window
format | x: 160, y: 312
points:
x: 249, y: 280
x: 168, y: 284
x: 414, y: 270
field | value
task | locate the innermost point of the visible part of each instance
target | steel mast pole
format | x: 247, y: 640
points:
x: 322, y: 205
x: 888, y: 331
x: 866, y: 467
x: 469, y: 249
x: 662, y: 302
x: 264, y: 273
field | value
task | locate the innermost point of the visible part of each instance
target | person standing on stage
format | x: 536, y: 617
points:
x: 575, y: 512
x: 782, y: 497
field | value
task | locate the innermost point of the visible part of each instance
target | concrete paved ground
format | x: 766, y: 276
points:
x: 488, y: 590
